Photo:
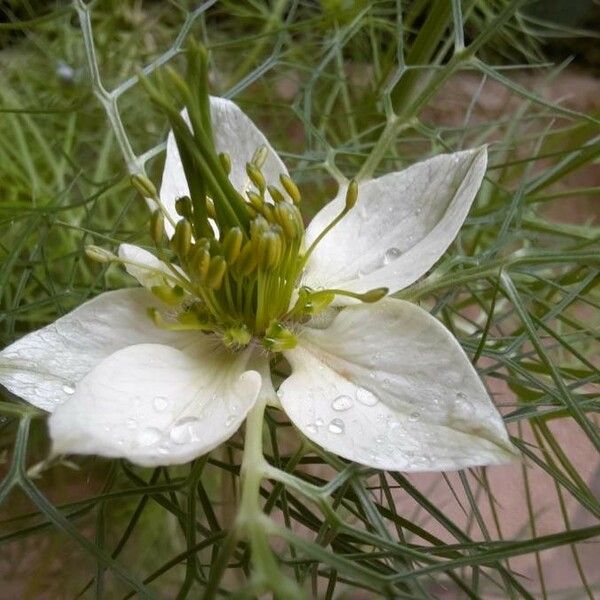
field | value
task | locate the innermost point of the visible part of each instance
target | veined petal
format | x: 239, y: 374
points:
x: 235, y: 134
x: 388, y: 386
x: 44, y: 366
x: 148, y: 270
x: 156, y: 405
x: 402, y: 224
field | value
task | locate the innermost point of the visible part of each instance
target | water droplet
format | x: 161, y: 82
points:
x: 231, y: 419
x: 342, y: 403
x: 393, y: 424
x: 183, y: 430
x: 160, y: 403
x: 336, y: 426
x: 149, y: 436
x: 131, y: 423
x: 311, y: 428
x: 418, y: 211
x: 386, y: 383
x: 319, y: 422
x: 462, y: 406
x: 415, y: 416
x: 391, y: 254
x: 68, y: 389
x: 366, y: 397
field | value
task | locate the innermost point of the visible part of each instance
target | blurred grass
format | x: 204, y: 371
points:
x: 328, y: 82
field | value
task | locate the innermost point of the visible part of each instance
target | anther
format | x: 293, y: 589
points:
x: 144, y: 186
x: 256, y: 201
x: 256, y: 177
x: 351, y: 195
x: 216, y: 272
x: 288, y: 217
x: 260, y: 156
x: 99, y: 254
x: 182, y: 238
x: 275, y: 194
x: 157, y: 226
x: 232, y: 244
x: 291, y: 188
x: 225, y: 162
x: 183, y: 207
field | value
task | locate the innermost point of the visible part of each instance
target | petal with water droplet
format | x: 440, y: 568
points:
x: 44, y: 366
x: 402, y: 225
x: 419, y: 407
x: 197, y: 385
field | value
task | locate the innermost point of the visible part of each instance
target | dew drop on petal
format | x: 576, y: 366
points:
x: 131, y: 423
x: 149, y: 436
x: 366, y: 397
x: 160, y: 403
x: 336, y: 426
x: 68, y: 389
x: 319, y: 422
x: 231, y: 419
x: 415, y: 416
x: 183, y: 430
x: 391, y: 254
x: 311, y: 428
x: 342, y: 403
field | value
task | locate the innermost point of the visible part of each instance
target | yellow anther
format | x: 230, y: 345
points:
x: 225, y: 162
x: 256, y: 200
x: 247, y: 261
x: 167, y: 294
x: 351, y: 194
x: 291, y: 188
x: 210, y: 209
x: 256, y: 177
x: 270, y: 249
x: 290, y: 220
x: 199, y: 263
x: 216, y: 272
x: 182, y: 238
x: 183, y: 207
x: 99, y: 254
x: 260, y: 156
x: 275, y: 194
x: 232, y: 244
x: 157, y: 226
x: 144, y: 186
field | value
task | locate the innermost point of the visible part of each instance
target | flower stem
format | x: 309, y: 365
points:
x: 251, y: 522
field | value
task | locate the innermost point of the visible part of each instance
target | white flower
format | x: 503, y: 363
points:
x: 383, y: 384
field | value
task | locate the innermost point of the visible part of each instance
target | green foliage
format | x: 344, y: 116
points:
x: 342, y: 86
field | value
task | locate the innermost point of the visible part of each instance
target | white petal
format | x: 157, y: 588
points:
x: 44, y: 367
x: 156, y: 405
x: 387, y: 385
x: 149, y: 270
x: 402, y: 224
x: 233, y: 133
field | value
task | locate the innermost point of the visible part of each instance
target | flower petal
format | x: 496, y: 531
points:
x: 44, y: 366
x: 402, y: 224
x: 156, y: 405
x: 149, y: 270
x: 388, y: 386
x: 235, y: 134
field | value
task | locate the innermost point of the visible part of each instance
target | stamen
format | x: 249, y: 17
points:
x: 256, y: 177
x: 291, y: 188
x: 351, y: 198
x: 100, y: 254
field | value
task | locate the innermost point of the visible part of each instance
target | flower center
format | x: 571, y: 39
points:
x: 233, y: 260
